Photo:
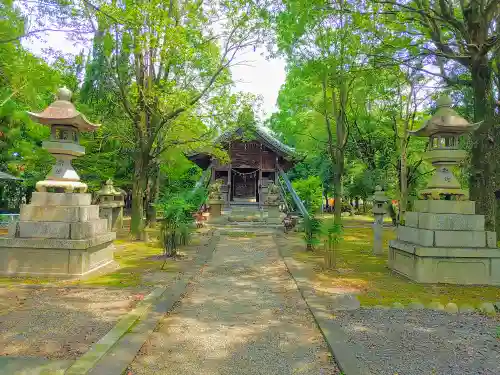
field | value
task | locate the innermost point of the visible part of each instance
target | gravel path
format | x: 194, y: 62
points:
x: 58, y: 323
x: 243, y: 316
x: 423, y: 342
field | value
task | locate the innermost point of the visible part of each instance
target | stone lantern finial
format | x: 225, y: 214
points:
x: 64, y: 94
x: 444, y: 101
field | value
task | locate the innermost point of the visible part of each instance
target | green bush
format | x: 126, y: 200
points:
x: 310, y: 191
x: 312, y: 232
x: 177, y: 221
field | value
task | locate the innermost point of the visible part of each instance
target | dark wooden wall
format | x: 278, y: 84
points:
x: 251, y: 155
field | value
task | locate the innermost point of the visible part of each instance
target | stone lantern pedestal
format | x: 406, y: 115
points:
x: 443, y: 240
x: 215, y: 208
x: 215, y: 201
x: 59, y: 232
x: 379, y: 203
x: 111, y: 203
x: 272, y: 203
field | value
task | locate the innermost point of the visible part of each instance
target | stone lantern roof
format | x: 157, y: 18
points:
x: 445, y: 120
x: 63, y: 112
x: 379, y: 195
x: 109, y: 190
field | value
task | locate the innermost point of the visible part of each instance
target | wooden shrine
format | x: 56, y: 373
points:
x: 254, y: 163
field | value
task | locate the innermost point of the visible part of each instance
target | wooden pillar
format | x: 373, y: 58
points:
x: 276, y: 171
x: 230, y: 184
x: 259, y: 182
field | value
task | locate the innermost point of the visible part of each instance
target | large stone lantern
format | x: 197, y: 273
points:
x: 443, y: 240
x: 59, y: 233
x: 65, y: 123
x: 444, y: 130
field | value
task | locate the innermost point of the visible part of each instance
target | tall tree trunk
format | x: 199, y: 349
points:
x: 154, y: 194
x: 341, y: 127
x: 337, y: 183
x: 482, y: 177
x: 139, y: 185
x: 403, y: 179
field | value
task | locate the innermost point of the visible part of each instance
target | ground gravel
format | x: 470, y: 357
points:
x: 59, y: 323
x: 423, y: 342
x: 244, y: 315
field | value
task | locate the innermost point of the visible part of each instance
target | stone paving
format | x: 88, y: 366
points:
x: 244, y: 315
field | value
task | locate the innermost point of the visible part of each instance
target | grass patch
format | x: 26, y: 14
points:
x: 135, y: 259
x: 31, y: 280
x: 355, y: 219
x: 360, y: 271
x: 240, y: 234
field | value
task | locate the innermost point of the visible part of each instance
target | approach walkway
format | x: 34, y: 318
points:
x: 243, y: 316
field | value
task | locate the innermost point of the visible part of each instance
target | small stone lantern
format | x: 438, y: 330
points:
x: 215, y: 201
x: 111, y: 203
x: 444, y: 130
x: 379, y: 208
x: 65, y: 123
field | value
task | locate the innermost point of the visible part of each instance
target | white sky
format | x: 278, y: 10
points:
x: 258, y: 76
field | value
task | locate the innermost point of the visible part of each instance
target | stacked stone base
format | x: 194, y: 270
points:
x: 445, y: 242
x: 59, y: 234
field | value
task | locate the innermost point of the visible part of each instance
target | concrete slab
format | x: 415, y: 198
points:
x: 60, y: 199
x: 459, y: 239
x: 445, y: 207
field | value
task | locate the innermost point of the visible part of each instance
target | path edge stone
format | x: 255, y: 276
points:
x: 332, y: 333
x: 140, y: 323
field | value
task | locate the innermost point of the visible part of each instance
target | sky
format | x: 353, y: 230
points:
x: 258, y: 75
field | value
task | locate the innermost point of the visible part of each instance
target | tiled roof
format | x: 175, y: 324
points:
x: 267, y: 136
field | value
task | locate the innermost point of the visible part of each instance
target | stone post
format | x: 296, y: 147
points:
x: 379, y: 203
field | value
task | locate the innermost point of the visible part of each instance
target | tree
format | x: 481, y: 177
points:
x: 167, y: 71
x: 461, y: 40
x: 26, y: 83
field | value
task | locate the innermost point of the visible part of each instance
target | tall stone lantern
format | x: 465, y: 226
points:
x: 443, y: 240
x: 379, y: 208
x: 59, y: 233
x: 65, y: 124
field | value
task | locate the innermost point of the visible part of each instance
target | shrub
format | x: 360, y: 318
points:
x: 177, y: 221
x: 310, y: 192
x: 312, y: 232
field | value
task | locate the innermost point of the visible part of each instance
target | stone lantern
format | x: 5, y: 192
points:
x: 111, y: 203
x: 65, y: 123
x: 443, y: 240
x: 59, y: 233
x: 379, y: 208
x: 444, y: 130
x: 215, y: 201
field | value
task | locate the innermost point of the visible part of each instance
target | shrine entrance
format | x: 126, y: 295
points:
x: 245, y: 185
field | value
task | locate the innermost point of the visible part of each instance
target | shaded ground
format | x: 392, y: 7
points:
x: 59, y: 323
x: 243, y: 316
x: 410, y: 342
x: 61, y: 320
x: 359, y: 271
